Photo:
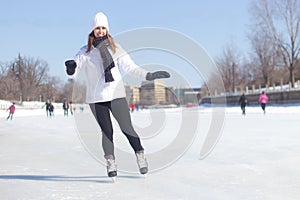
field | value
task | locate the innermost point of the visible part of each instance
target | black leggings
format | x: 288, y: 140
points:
x: 120, y: 110
x: 263, y: 106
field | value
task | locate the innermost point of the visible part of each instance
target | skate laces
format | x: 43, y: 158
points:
x: 141, y: 159
x: 111, y: 165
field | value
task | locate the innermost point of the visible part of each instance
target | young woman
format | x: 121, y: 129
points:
x: 102, y: 59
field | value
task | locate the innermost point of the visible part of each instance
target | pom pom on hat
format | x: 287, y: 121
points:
x: 100, y: 19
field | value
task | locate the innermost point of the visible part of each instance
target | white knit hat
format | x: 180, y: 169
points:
x: 100, y: 19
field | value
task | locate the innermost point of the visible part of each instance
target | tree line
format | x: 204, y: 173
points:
x: 274, y: 57
x: 28, y: 79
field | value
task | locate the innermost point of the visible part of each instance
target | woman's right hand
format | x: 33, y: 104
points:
x: 70, y: 65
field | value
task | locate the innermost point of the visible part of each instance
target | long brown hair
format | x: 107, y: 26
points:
x: 110, y: 39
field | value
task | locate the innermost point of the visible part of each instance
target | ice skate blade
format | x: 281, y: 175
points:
x: 113, y: 179
x: 144, y: 175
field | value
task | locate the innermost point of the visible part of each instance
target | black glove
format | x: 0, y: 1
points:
x: 71, y: 65
x: 156, y: 75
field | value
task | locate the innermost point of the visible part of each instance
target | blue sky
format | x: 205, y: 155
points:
x: 55, y: 30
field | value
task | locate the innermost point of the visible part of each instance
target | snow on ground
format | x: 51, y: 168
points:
x: 257, y: 157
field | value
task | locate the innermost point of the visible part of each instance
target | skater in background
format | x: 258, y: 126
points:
x: 132, y: 107
x: 47, y: 104
x: 11, y: 110
x: 137, y: 106
x: 66, y: 108
x: 81, y: 108
x: 243, y: 102
x: 51, y: 110
x: 71, y: 107
x: 101, y: 60
x: 263, y: 100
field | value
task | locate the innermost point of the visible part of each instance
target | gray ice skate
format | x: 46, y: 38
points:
x: 111, y: 167
x: 142, y: 162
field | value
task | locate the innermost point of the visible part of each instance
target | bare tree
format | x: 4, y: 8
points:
x: 230, y: 68
x: 9, y: 87
x: 265, y: 58
x: 65, y: 91
x: 30, y: 74
x: 51, y: 89
x: 28, y: 79
x: 281, y: 20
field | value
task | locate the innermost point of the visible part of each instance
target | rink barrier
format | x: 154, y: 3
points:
x: 282, y: 97
x: 29, y: 105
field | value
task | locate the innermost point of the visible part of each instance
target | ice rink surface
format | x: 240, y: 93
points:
x: 257, y: 157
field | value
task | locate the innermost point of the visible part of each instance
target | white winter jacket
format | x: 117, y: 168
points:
x: 97, y: 90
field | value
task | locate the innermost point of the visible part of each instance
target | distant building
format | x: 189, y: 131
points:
x: 155, y: 92
x: 132, y: 94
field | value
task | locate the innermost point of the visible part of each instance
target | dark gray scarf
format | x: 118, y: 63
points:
x: 108, y: 63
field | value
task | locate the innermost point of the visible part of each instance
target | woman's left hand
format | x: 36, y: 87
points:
x: 157, y: 75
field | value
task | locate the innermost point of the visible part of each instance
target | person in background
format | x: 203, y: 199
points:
x: 71, y: 107
x: 263, y: 100
x: 11, y: 109
x: 47, y: 104
x: 243, y: 102
x: 132, y: 107
x: 137, y: 106
x: 51, y: 110
x: 66, y: 108
x: 102, y: 60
